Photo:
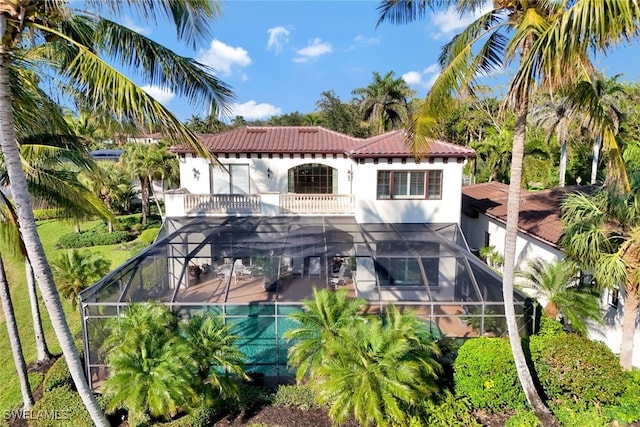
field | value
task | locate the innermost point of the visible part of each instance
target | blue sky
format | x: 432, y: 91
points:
x: 278, y: 56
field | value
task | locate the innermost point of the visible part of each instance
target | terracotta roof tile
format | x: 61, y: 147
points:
x: 539, y: 211
x: 316, y: 139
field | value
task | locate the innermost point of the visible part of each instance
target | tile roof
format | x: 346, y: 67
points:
x: 539, y: 211
x: 316, y: 139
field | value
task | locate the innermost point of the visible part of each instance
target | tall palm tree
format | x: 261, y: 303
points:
x: 384, y: 102
x: 602, y: 234
x: 558, y: 284
x: 555, y: 116
x: 551, y: 42
x: 72, y: 44
x: 75, y: 270
x: 378, y: 368
x: 14, y: 340
x: 144, y: 161
x: 321, y: 322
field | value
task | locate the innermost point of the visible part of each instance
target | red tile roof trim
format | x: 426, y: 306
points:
x: 316, y: 139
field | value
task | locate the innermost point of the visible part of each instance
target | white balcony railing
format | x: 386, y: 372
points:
x: 179, y: 203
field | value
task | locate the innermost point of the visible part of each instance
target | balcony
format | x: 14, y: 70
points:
x: 183, y: 204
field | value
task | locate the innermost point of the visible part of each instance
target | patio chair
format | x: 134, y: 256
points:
x: 339, y: 278
x: 240, y: 270
x: 314, y: 266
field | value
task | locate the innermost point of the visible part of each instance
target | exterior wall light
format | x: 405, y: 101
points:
x: 196, y: 173
x: 269, y: 173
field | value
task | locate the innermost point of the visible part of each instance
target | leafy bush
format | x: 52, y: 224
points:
x: 58, y: 375
x: 573, y: 369
x: 42, y: 214
x: 300, y: 396
x: 149, y: 235
x: 626, y: 409
x: 523, y: 419
x: 449, y: 411
x: 199, y: 417
x: 92, y: 238
x: 64, y: 408
x: 485, y: 372
x: 579, y: 416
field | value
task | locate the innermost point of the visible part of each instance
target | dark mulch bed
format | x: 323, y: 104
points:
x: 282, y: 416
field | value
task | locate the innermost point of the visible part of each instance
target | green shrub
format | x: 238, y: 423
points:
x: 569, y: 416
x: 42, y: 214
x: 449, y: 411
x: 626, y: 409
x: 523, y: 419
x: 485, y: 372
x: 300, y: 396
x: 573, y: 369
x: 199, y: 417
x: 92, y: 238
x: 64, y: 408
x: 149, y: 235
x: 58, y: 375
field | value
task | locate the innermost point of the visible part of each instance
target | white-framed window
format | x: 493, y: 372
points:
x: 410, y: 184
x: 234, y: 182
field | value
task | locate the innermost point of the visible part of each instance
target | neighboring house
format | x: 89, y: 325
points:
x: 291, y: 209
x: 106, y: 154
x: 146, y: 138
x: 483, y: 223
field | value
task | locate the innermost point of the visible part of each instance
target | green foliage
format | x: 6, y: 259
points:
x: 550, y: 327
x: 301, y: 396
x: 626, y: 409
x: 484, y: 371
x: 58, y: 375
x: 63, y: 408
x: 448, y: 411
x: 575, y: 370
x: 572, y: 416
x: 203, y: 416
x: 92, y: 238
x: 149, y: 235
x: 42, y: 214
x: 523, y: 419
x: 75, y: 270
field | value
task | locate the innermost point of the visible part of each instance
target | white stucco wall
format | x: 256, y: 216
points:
x: 527, y: 249
x: 369, y: 209
x: 362, y: 184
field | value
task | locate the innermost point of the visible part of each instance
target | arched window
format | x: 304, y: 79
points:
x: 313, y: 178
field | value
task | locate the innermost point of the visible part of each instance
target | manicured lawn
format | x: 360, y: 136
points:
x: 50, y: 231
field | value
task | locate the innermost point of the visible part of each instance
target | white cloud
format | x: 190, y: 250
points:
x: 278, y: 37
x: 424, y: 78
x: 251, y: 110
x: 161, y: 95
x: 223, y: 58
x: 315, y: 48
x: 449, y: 21
x: 362, y: 41
x: 128, y: 22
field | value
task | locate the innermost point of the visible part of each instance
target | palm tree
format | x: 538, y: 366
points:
x: 321, y: 323
x: 558, y: 284
x: 380, y: 367
x: 75, y: 271
x: 555, y: 116
x: 215, y: 350
x: 552, y: 41
x: 151, y: 371
x: 602, y: 234
x: 384, y: 102
x: 143, y: 161
x: 14, y: 340
x: 76, y: 39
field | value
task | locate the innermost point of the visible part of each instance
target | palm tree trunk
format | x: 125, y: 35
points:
x: 33, y: 245
x: 594, y: 161
x: 144, y: 195
x: 14, y: 341
x: 155, y: 198
x: 629, y: 316
x: 543, y: 413
x: 42, y: 350
x: 563, y: 163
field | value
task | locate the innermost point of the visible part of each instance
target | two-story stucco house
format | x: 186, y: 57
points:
x: 293, y: 209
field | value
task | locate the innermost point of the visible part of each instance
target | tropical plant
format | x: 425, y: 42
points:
x: 384, y: 102
x: 602, y: 234
x: 553, y: 42
x: 151, y: 371
x: 558, y: 284
x: 215, y: 350
x: 75, y: 271
x: 378, y: 367
x: 72, y: 44
x: 321, y: 322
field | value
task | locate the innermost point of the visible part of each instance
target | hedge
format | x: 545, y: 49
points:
x: 64, y: 408
x: 58, y: 375
x: 300, y: 396
x: 92, y: 238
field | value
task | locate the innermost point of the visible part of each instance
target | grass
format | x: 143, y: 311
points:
x: 49, y: 231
